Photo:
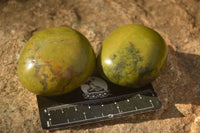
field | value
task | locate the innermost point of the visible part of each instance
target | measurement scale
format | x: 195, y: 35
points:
x: 95, y: 100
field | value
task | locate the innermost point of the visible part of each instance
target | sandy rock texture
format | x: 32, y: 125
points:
x: 178, y: 88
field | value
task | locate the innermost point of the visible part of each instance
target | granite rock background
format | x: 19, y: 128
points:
x: 178, y: 88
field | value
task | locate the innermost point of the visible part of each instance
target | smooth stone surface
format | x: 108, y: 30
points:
x: 132, y: 55
x: 55, y: 61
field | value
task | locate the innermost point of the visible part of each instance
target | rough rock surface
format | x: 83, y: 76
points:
x: 178, y: 88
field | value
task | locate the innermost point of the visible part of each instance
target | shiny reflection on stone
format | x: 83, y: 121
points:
x: 108, y: 61
x: 30, y: 64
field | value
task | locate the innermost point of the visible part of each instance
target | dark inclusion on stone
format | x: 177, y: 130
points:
x: 129, y: 59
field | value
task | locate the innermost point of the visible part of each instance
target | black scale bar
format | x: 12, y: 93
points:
x: 62, y: 113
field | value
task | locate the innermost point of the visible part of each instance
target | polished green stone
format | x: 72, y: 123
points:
x: 55, y: 61
x: 132, y: 55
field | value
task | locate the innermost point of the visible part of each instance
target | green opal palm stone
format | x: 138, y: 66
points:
x: 55, y: 61
x: 132, y: 55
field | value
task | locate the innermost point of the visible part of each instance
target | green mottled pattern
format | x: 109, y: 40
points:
x: 55, y: 61
x: 132, y: 55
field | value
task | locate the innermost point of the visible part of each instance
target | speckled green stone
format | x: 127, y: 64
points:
x: 55, y: 61
x: 132, y: 55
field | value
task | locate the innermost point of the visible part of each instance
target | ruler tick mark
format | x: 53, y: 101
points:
x: 48, y: 124
x: 140, y: 96
x: 62, y: 111
x: 110, y: 116
x: 75, y: 109
x: 136, y: 108
x: 84, y: 115
x: 118, y: 109
x: 151, y: 103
